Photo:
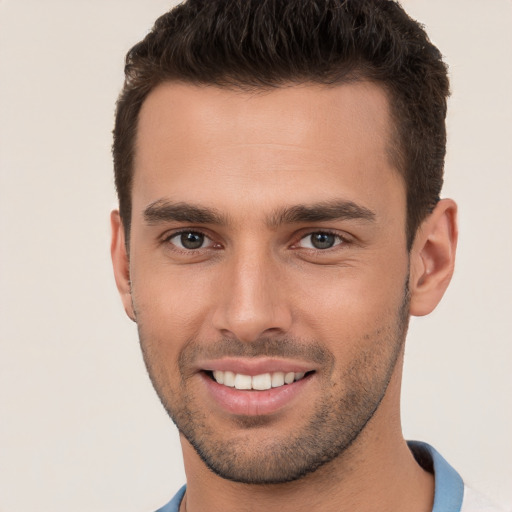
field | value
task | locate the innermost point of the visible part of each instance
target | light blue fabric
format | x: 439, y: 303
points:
x: 174, y: 504
x: 449, y: 487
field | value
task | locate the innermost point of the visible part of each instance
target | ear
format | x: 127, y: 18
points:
x: 433, y: 258
x: 121, y: 263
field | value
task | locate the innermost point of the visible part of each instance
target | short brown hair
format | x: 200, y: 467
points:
x: 258, y: 44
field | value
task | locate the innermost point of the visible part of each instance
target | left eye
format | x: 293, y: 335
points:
x: 320, y: 240
x: 189, y: 240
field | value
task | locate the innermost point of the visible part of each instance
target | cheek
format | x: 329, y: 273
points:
x: 343, y: 296
x: 353, y: 311
x: 167, y: 319
x: 170, y: 304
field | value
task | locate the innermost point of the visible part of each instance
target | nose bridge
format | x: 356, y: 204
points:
x: 251, y: 303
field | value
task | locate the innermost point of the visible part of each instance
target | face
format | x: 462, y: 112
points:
x: 268, y: 270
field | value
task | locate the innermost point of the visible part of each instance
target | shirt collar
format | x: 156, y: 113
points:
x: 449, y: 487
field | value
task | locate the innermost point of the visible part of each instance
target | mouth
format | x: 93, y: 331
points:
x: 256, y: 390
x: 256, y: 386
x: 261, y: 382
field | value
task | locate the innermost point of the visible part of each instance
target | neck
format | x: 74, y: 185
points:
x: 376, y: 473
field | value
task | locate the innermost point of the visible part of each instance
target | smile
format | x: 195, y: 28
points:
x: 255, y: 395
x: 261, y: 382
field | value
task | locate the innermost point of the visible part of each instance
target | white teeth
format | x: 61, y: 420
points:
x: 229, y: 379
x: 260, y: 382
x: 289, y: 378
x: 277, y: 379
x: 243, y: 381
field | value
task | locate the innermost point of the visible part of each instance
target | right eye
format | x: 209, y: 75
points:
x: 320, y: 240
x: 189, y: 240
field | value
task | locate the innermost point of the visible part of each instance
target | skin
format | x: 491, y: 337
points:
x: 257, y: 288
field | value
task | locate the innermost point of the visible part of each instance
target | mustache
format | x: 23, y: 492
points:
x: 275, y: 347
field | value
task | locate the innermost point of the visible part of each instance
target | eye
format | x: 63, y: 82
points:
x: 320, y: 240
x: 189, y: 240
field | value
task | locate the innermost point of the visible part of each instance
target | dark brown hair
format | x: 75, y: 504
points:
x: 258, y: 44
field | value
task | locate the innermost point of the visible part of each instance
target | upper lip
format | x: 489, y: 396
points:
x: 254, y: 366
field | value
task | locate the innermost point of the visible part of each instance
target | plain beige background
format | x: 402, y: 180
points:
x: 80, y: 426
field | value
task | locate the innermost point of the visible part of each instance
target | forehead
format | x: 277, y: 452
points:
x: 297, y: 143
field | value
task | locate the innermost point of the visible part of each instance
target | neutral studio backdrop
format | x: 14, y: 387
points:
x: 80, y: 426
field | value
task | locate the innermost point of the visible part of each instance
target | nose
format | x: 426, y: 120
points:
x: 252, y: 301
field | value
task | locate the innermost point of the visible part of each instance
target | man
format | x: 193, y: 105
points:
x: 278, y: 166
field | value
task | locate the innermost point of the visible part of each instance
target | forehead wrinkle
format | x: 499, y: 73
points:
x: 318, y: 212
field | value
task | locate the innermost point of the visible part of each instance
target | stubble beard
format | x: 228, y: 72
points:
x: 339, y: 416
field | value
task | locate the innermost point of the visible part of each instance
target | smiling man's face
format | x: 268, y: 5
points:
x: 268, y: 270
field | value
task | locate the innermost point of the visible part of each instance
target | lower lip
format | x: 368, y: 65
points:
x: 254, y: 403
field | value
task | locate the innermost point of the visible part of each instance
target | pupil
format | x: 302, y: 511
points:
x: 322, y: 240
x: 192, y: 240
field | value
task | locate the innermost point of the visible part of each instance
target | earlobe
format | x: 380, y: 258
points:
x: 433, y: 258
x: 120, y: 262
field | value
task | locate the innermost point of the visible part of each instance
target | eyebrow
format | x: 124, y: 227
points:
x: 164, y: 210
x: 167, y: 211
x: 320, y: 212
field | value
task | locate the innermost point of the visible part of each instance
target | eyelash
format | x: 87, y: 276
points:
x: 167, y: 239
x: 340, y: 240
